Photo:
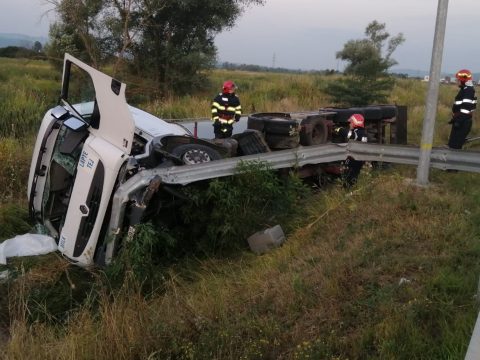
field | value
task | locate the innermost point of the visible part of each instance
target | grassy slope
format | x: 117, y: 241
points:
x: 389, y: 271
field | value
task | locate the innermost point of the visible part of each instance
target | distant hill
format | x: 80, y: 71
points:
x: 20, y: 40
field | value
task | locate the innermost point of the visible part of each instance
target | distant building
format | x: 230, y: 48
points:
x: 426, y: 78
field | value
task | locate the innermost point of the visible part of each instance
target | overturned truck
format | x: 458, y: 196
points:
x: 96, y: 160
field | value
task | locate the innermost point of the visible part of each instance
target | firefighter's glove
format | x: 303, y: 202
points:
x: 452, y: 120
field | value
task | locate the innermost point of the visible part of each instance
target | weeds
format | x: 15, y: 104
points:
x: 388, y: 271
x: 253, y: 199
x: 27, y: 91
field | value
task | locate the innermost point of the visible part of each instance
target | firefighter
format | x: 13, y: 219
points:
x: 356, y: 132
x: 226, y: 110
x: 462, y: 109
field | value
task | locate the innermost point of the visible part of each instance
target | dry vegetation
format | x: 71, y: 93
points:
x: 388, y: 271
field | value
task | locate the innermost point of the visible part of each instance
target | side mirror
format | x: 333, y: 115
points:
x: 75, y: 124
x: 59, y: 112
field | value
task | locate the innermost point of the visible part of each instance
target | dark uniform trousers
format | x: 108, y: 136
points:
x: 465, y: 103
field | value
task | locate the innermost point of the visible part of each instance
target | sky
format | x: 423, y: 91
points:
x: 306, y: 34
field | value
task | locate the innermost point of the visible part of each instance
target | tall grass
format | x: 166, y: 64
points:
x: 394, y: 282
x: 388, y: 271
x: 258, y: 92
x: 27, y: 89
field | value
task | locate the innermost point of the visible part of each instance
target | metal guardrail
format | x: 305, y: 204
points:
x: 441, y: 158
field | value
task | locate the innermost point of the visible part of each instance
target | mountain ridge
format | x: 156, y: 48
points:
x: 21, y: 40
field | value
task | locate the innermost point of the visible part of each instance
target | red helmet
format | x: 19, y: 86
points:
x: 357, y: 120
x: 229, y: 86
x: 464, y: 75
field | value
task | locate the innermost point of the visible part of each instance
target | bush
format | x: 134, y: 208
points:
x: 214, y: 217
x: 240, y: 205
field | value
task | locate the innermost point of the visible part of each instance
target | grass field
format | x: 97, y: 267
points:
x: 387, y: 271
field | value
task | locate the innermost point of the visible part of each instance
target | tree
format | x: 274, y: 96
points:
x: 78, y: 30
x: 37, y: 46
x: 366, y: 78
x: 167, y: 41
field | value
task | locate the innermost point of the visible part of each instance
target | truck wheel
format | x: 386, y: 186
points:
x: 275, y: 141
x: 342, y: 114
x: 195, y: 153
x: 281, y: 126
x: 257, y: 121
x: 372, y: 113
x: 313, y: 131
x: 388, y: 111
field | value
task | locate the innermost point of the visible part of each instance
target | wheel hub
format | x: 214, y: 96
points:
x: 196, y: 157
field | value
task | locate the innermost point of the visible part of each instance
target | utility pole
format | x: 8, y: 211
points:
x: 273, y: 61
x: 432, y: 97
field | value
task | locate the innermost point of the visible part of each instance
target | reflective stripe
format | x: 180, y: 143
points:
x: 465, y: 111
x: 458, y: 102
x: 214, y: 111
x: 238, y: 112
x: 230, y: 108
x: 215, y: 118
x: 470, y: 101
x: 226, y: 121
x: 218, y: 106
x: 224, y: 99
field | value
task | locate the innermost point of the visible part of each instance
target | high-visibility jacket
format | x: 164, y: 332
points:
x: 465, y: 102
x: 356, y: 134
x: 226, y: 108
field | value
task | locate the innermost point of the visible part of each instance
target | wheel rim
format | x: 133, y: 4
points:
x: 196, y: 156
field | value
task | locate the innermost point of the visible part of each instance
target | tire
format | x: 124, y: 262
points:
x: 282, y: 142
x: 373, y: 113
x: 342, y: 114
x: 280, y: 126
x: 195, y: 154
x: 314, y: 131
x: 257, y: 121
x: 388, y: 111
x: 251, y: 142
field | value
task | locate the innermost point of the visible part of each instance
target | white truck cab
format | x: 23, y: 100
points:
x: 83, y: 150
